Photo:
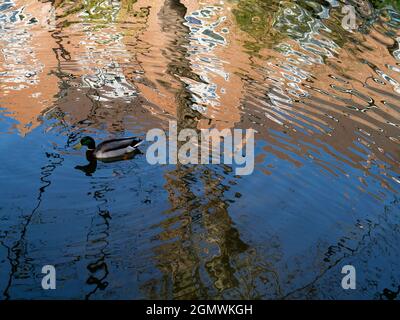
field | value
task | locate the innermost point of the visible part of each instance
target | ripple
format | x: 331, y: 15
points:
x: 324, y: 101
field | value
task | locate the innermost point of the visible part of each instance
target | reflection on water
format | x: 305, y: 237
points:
x: 27, y: 84
x: 324, y: 193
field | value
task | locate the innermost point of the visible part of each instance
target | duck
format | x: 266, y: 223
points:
x: 109, y: 149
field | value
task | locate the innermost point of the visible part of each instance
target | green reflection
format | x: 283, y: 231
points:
x: 99, y: 11
x: 269, y: 22
x: 256, y: 18
x: 378, y: 4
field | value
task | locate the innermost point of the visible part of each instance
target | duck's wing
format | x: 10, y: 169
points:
x: 117, y: 144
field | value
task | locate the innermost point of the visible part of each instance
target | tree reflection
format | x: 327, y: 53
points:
x: 199, y: 243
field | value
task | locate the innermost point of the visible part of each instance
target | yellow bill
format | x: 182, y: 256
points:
x: 78, y: 146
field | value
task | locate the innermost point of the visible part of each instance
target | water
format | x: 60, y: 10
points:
x: 325, y: 190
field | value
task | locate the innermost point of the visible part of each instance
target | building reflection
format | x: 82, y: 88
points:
x: 312, y: 97
x: 198, y: 240
x: 28, y: 85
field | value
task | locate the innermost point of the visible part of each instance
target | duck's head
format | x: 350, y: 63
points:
x: 87, y: 142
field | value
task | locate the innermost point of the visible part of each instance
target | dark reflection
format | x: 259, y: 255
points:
x: 98, y: 243
x: 17, y: 253
x: 197, y: 233
x: 388, y: 294
x: 91, y: 167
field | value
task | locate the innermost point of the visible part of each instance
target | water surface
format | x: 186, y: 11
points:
x: 325, y: 190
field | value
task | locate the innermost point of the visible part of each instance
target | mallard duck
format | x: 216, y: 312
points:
x: 110, y: 149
